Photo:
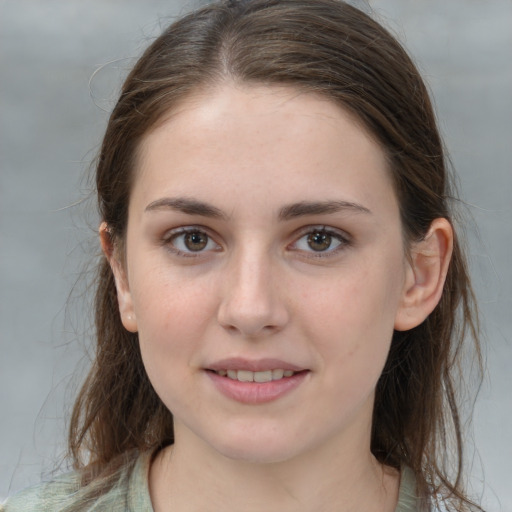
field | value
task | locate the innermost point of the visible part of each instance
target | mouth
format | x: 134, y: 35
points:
x: 259, y: 376
x: 256, y: 387
x: 256, y: 381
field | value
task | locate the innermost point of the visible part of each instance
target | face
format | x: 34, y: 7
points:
x: 264, y: 271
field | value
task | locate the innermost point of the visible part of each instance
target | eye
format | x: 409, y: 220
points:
x: 190, y: 242
x: 321, y: 240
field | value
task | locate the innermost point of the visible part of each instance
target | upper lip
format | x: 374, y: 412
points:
x: 256, y: 365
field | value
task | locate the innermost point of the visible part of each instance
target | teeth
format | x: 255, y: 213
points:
x: 245, y: 376
x: 263, y: 376
x: 277, y: 374
x: 248, y: 376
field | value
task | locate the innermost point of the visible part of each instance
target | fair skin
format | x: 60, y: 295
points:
x: 264, y: 235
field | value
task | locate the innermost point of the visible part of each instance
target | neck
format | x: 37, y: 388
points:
x: 191, y: 476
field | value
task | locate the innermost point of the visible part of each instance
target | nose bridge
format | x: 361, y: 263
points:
x: 251, y: 302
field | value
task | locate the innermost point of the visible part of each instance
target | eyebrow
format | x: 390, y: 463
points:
x: 320, y: 207
x: 186, y: 205
x: 195, y: 207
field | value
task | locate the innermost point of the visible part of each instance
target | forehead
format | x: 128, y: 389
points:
x: 254, y: 107
x: 265, y: 138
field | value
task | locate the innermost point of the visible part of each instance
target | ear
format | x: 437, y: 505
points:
x: 425, y: 275
x: 124, y: 297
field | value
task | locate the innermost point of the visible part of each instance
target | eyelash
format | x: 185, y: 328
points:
x: 343, y: 240
x: 189, y: 230
x: 341, y: 237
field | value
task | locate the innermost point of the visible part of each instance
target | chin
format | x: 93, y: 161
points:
x: 257, y: 449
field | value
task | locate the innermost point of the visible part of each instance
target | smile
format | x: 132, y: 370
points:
x: 261, y: 376
x: 256, y: 387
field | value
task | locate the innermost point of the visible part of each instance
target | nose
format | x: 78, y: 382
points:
x: 252, y: 304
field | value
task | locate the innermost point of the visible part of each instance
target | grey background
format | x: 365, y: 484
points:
x: 51, y: 121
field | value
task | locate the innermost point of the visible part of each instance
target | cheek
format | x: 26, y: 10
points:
x: 172, y: 315
x: 352, y: 316
x: 173, y: 318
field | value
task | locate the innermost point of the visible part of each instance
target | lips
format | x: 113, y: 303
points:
x: 255, y: 382
x: 259, y: 365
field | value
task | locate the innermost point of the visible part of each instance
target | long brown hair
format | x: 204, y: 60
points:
x: 330, y: 48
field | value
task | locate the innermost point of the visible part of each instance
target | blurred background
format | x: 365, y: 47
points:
x: 61, y: 64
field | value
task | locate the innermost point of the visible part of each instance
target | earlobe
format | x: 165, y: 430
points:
x: 425, y: 275
x: 124, y: 297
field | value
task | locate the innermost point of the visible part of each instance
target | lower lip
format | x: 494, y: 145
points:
x: 256, y: 392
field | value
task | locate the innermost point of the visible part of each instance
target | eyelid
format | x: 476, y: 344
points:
x: 171, y: 234
x: 342, y: 236
x: 345, y: 239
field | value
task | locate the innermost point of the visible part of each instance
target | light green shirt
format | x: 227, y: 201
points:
x: 131, y: 494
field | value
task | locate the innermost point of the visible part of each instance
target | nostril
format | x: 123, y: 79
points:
x: 250, y: 331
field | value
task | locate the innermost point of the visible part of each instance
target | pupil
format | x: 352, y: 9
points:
x: 196, y: 241
x: 319, y: 241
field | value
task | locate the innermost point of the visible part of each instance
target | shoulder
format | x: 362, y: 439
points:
x: 409, y: 500
x: 129, y: 492
x: 44, y: 497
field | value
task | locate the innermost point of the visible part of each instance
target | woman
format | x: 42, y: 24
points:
x: 282, y: 298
